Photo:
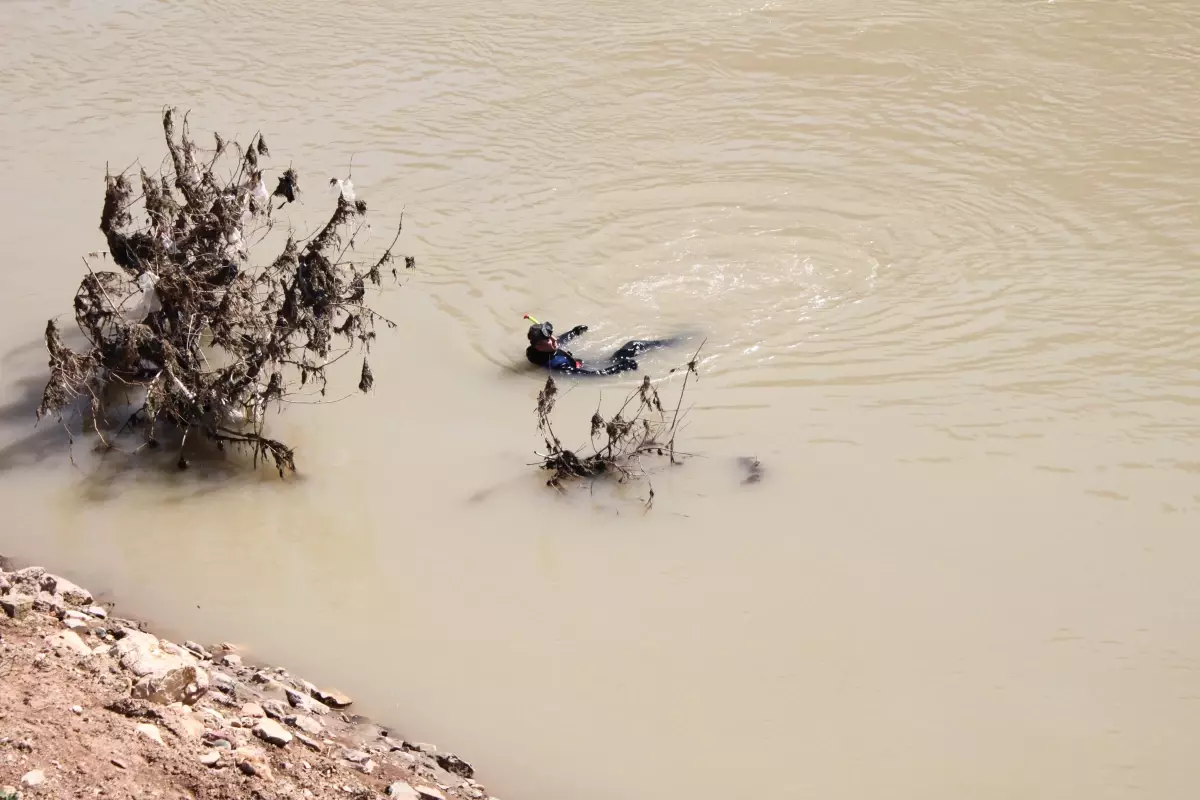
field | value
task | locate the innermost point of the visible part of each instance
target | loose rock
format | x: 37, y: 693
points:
x: 16, y: 606
x: 252, y: 710
x: 218, y: 739
x: 72, y: 623
x: 274, y: 709
x: 143, y: 655
x: 68, y: 641
x: 226, y: 701
x: 223, y: 682
x: 196, y: 650
x: 271, y: 731
x: 29, y: 575
x: 355, y: 756
x: 33, y: 778
x: 97, y: 611
x: 172, y: 649
x: 180, y: 685
x: 429, y: 793
x: 76, y: 595
x: 306, y: 724
x: 252, y: 761
x: 216, y: 715
x: 48, y: 603
x: 305, y: 703
x: 190, y: 729
x: 332, y: 698
x: 211, y: 758
x: 311, y: 744
x: 402, y: 791
x: 150, y: 732
x: 454, y: 764
x: 231, y: 660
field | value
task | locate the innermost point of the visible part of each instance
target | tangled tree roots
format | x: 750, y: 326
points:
x: 204, y: 338
x: 641, y: 429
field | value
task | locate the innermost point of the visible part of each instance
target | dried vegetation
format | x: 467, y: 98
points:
x: 205, y: 339
x: 621, y: 445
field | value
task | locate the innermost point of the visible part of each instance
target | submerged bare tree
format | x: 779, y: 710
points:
x: 203, y: 337
x: 620, y: 445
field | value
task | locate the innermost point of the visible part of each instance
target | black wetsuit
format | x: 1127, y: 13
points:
x: 622, y: 360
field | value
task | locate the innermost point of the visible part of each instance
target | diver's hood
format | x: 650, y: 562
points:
x: 540, y: 332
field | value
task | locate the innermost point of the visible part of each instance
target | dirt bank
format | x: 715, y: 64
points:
x: 92, y: 705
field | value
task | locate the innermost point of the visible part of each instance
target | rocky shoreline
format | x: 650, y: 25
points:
x: 93, y: 705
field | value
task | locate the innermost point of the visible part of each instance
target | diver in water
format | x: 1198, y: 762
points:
x: 544, y: 351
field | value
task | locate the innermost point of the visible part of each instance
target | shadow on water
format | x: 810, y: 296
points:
x: 209, y: 473
x: 72, y: 338
x: 36, y: 442
x: 23, y: 409
x: 28, y: 441
x: 106, y: 472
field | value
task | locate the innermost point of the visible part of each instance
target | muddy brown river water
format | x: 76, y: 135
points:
x: 944, y: 255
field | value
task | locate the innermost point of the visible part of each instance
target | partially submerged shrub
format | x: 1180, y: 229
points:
x: 620, y: 445
x: 205, y: 338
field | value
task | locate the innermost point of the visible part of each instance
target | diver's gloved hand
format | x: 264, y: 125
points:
x: 578, y: 329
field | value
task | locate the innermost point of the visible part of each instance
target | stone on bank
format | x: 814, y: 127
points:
x: 181, y: 685
x: 68, y: 641
x: 150, y: 732
x: 16, y: 606
x: 271, y: 731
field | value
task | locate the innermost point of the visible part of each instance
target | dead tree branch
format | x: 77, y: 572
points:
x: 620, y: 445
x: 208, y: 338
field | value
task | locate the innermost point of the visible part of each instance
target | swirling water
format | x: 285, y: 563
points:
x: 942, y: 254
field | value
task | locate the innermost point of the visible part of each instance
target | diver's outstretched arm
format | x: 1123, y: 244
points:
x: 571, y: 334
